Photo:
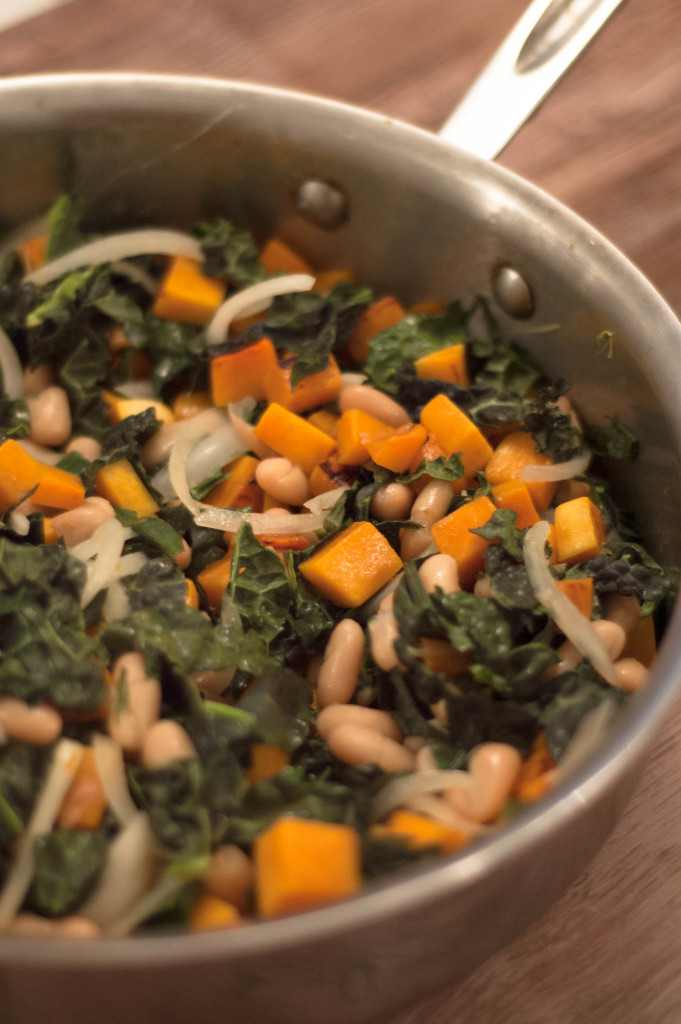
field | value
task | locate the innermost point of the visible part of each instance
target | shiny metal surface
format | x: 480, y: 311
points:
x: 427, y: 222
x: 538, y: 51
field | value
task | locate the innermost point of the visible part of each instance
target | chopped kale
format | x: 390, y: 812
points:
x: 68, y: 863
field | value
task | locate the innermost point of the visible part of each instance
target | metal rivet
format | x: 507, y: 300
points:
x: 512, y: 292
x: 322, y: 203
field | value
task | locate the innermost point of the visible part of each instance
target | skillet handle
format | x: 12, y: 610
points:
x: 546, y: 40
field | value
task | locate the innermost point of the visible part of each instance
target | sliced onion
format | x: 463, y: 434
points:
x: 576, y: 627
x: 136, y: 389
x: 438, y: 809
x: 254, y: 299
x: 229, y: 520
x: 10, y: 365
x: 237, y: 412
x: 212, y: 452
x: 145, y: 242
x: 136, y: 275
x: 588, y: 736
x: 407, y: 787
x: 64, y: 765
x: 350, y: 379
x: 324, y: 502
x: 130, y: 870
x: 111, y: 771
x: 19, y: 523
x: 558, y: 471
x: 146, y: 906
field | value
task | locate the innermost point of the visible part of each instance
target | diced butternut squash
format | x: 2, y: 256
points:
x: 453, y: 537
x: 191, y: 403
x: 396, y: 450
x: 192, y: 598
x: 21, y: 475
x: 581, y: 593
x: 267, y: 760
x: 120, y: 408
x: 421, y: 833
x: 238, y: 489
x: 119, y: 483
x: 85, y: 801
x: 513, y: 453
x: 241, y: 374
x: 383, y: 313
x: 352, y: 566
x: 579, y: 530
x: 440, y: 656
x: 445, y: 364
x: 328, y: 279
x: 330, y: 474
x: 515, y: 496
x: 187, y: 294
x: 278, y: 257
x: 429, y: 307
x: 301, y: 863
x: 293, y: 437
x: 33, y: 252
x: 456, y: 432
x: 537, y: 773
x: 325, y: 420
x: 354, y: 428
x: 214, y: 579
x: 641, y: 643
x: 313, y: 390
x: 210, y: 913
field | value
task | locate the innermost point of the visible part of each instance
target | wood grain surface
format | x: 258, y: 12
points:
x: 608, y: 143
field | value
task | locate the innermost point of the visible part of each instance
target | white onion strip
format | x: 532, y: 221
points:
x: 325, y: 501
x: 12, y: 374
x: 254, y: 299
x: 147, y: 905
x: 576, y: 627
x: 145, y: 242
x: 64, y: 765
x: 130, y: 870
x: 558, y: 470
x: 407, y: 787
x: 111, y: 771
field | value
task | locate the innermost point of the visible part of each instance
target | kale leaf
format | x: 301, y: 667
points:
x: 229, y: 252
x: 615, y: 441
x: 68, y: 863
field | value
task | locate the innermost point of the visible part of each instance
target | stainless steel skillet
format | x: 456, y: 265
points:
x: 427, y: 221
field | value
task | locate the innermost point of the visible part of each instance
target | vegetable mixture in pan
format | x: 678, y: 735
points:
x: 298, y: 587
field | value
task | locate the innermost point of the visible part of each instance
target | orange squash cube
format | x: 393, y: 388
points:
x: 515, y: 496
x: 293, y: 437
x: 581, y: 593
x: 267, y: 760
x: 641, y: 642
x: 381, y: 315
x: 420, y: 832
x: 21, y: 474
x: 186, y: 294
x: 238, y: 489
x: 354, y: 428
x: 211, y: 913
x: 214, y: 579
x: 313, y: 390
x: 515, y: 451
x: 120, y: 408
x: 119, y: 483
x: 396, y: 450
x: 453, y: 537
x: 352, y: 566
x: 579, y: 530
x: 277, y: 257
x: 241, y: 374
x: 456, y: 432
x: 445, y: 364
x: 302, y: 863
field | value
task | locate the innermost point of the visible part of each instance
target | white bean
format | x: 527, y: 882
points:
x: 37, y: 380
x: 166, y: 741
x: 184, y: 557
x: 624, y: 610
x: 482, y: 588
x: 80, y: 523
x: 135, y: 702
x: 50, y: 416
x: 611, y: 635
x: 230, y: 875
x: 493, y: 769
x: 630, y: 674
x: 283, y: 481
x: 392, y: 501
x: 384, y: 630
x: 357, y: 745
x: 88, y: 447
x: 429, y: 506
x: 337, y: 715
x: 373, y: 402
x: 340, y: 669
x: 440, y: 571
x: 39, y: 724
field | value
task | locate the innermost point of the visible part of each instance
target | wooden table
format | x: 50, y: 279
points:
x: 608, y: 143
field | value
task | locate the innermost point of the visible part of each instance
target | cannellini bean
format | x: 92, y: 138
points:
x: 283, y: 481
x: 39, y: 724
x: 50, y: 416
x: 80, y: 523
x: 166, y: 741
x: 630, y: 674
x: 77, y: 927
x: 425, y: 760
x: 624, y: 610
x: 88, y: 447
x: 429, y: 506
x: 493, y: 769
x: 383, y: 631
x: 37, y: 380
x: 184, y: 557
x: 32, y: 926
x: 135, y: 702
x: 373, y: 402
x: 392, y: 501
x: 482, y: 588
x: 611, y: 635
x: 230, y: 875
x: 337, y: 715
x: 357, y: 745
x: 211, y: 682
x: 440, y: 571
x: 157, y: 448
x: 343, y: 656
